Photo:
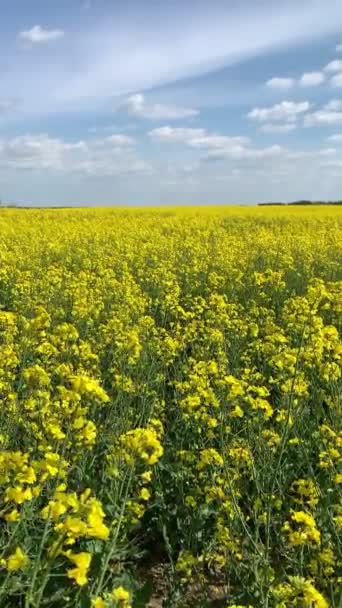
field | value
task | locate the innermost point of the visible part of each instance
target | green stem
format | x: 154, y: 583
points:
x: 112, y: 547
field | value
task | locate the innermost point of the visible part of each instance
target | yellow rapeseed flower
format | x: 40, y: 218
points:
x: 17, y: 561
x: 82, y: 561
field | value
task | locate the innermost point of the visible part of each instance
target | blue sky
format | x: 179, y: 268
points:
x: 158, y: 102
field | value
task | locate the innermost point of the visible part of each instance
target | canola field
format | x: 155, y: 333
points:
x: 170, y: 421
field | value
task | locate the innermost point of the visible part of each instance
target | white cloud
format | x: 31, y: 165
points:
x: 217, y: 147
x: 329, y: 114
x: 286, y: 111
x: 93, y: 173
x: 335, y: 138
x: 336, y: 80
x: 335, y: 105
x: 137, y: 105
x: 241, y: 153
x: 276, y: 128
x: 334, y: 66
x: 176, y: 134
x: 213, y: 141
x: 104, y: 157
x: 196, y: 138
x: 270, y: 152
x: 36, y: 152
x: 39, y: 35
x: 282, y: 84
x: 165, y: 43
x: 308, y: 79
x: 323, y: 117
x: 327, y: 152
x: 311, y: 79
x: 111, y: 128
x: 121, y: 141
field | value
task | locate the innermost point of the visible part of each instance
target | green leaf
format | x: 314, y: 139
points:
x: 143, y: 595
x: 94, y: 546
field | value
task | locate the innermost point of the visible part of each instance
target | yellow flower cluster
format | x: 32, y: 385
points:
x: 302, y: 529
x: 119, y: 597
x: 298, y: 592
x: 142, y: 444
x: 76, y: 517
x: 16, y: 561
x: 170, y: 386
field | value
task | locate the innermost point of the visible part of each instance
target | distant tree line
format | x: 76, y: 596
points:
x: 5, y: 204
x: 303, y: 202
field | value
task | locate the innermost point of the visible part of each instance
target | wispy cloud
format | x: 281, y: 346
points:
x: 311, y: 79
x: 284, y: 111
x: 121, y: 141
x: 38, y: 35
x: 138, y: 106
x: 335, y: 105
x: 329, y: 114
x: 336, y: 80
x: 176, y: 134
x: 337, y: 138
x: 171, y: 43
x: 277, y: 128
x: 243, y: 154
x: 96, y: 86
x: 196, y: 138
x: 111, y: 155
x: 308, y: 79
x: 112, y: 128
x: 323, y: 117
x: 282, y: 84
x: 36, y: 151
x: 216, y: 146
x: 334, y: 66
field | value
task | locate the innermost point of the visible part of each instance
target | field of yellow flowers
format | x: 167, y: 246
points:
x: 170, y: 421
